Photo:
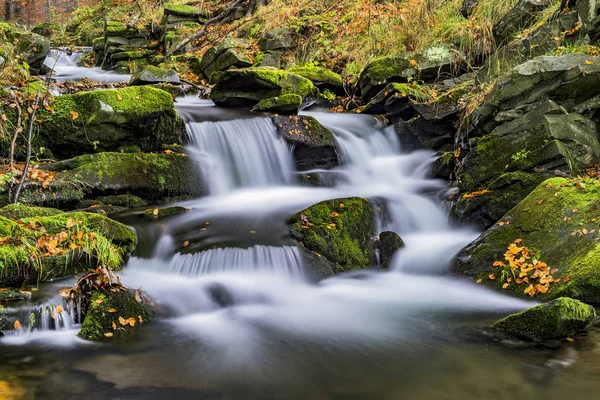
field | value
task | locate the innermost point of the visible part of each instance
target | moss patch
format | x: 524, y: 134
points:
x: 340, y: 230
x: 100, y: 321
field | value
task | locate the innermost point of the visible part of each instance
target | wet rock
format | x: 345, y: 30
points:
x: 520, y: 17
x: 277, y: 39
x: 389, y: 244
x: 443, y: 166
x: 7, y: 294
x: 106, y: 120
x: 220, y: 295
x: 152, y: 75
x: 314, y: 145
x: 100, y: 320
x: 340, y: 230
x: 156, y: 213
x: 149, y: 176
x: 123, y: 200
x: 47, y: 29
x: 558, y: 221
x: 559, y: 318
x: 316, y: 266
x: 286, y: 104
x: 245, y: 88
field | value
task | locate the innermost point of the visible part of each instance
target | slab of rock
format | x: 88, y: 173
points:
x: 152, y: 75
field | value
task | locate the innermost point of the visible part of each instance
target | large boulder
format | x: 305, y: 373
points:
x: 339, y: 230
x: 389, y: 244
x: 286, y: 104
x: 322, y: 78
x: 556, y: 319
x: 546, y: 139
x: 314, y: 145
x: 426, y: 66
x: 150, y: 176
x: 30, y: 47
x: 277, y: 39
x: 546, y: 246
x: 246, y: 87
x: 106, y: 120
x: 42, y: 245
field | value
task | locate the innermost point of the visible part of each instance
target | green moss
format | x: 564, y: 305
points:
x: 284, y: 104
x: 344, y: 239
x: 123, y: 200
x: 129, y: 55
x: 318, y: 75
x: 18, y: 211
x: 289, y: 83
x: 553, y: 220
x: 181, y: 9
x: 99, y: 320
x: 559, y: 318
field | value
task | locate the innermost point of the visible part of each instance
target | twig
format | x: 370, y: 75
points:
x: 13, y: 145
x: 31, y: 122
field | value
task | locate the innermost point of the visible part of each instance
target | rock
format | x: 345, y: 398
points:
x: 314, y: 145
x: 277, y: 39
x: 520, y: 17
x: 545, y: 139
x: 285, y: 104
x: 558, y: 221
x: 231, y: 53
x: 43, y: 248
x: 467, y: 8
x: 152, y: 75
x: 183, y: 10
x: 339, y: 230
x: 7, y: 294
x: 556, y: 319
x: 155, y: 213
x: 245, y: 88
x: 316, y: 266
x: 105, y: 120
x: 123, y: 200
x: 322, y: 78
x: 443, y: 166
x: 18, y: 211
x: 396, y: 100
x: 99, y: 320
x: 389, y: 244
x: 426, y: 66
x: 4, y: 324
x: 150, y: 176
x: 271, y: 59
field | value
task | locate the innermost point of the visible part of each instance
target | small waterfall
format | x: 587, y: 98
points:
x: 285, y: 260
x: 41, y: 318
x: 240, y: 154
x: 64, y: 64
x: 58, y: 58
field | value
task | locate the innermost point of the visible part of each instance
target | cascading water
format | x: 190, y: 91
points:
x: 65, y: 66
x: 240, y: 154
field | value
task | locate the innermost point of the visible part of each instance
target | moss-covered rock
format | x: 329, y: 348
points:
x: 230, y: 53
x: 395, y: 97
x: 556, y: 319
x: 340, y: 230
x: 8, y: 294
x: 18, y: 211
x: 245, y: 88
x: 104, y: 120
x: 56, y: 244
x: 277, y: 39
x: 559, y: 223
x: 155, y: 213
x: 149, y: 176
x: 47, y: 29
x: 102, y: 322
x: 321, y: 77
x: 152, y: 75
x: 123, y: 200
x: 182, y: 10
x: 285, y: 104
x: 314, y: 145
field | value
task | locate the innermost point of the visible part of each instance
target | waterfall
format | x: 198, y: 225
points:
x: 64, y: 65
x: 240, y: 154
x: 284, y: 260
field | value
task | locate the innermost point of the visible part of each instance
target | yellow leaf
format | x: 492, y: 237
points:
x: 413, y: 62
x: 155, y: 212
x: 119, y: 97
x: 59, y: 309
x: 252, y: 232
x: 500, y: 223
x: 140, y: 318
x: 99, y: 301
x: 17, y: 325
x: 123, y: 321
x: 491, y: 276
x: 112, y: 310
x: 505, y: 286
x: 108, y: 334
x: 70, y: 223
x: 186, y: 243
x: 3, y: 116
x: 342, y: 205
x: 74, y: 114
x: 131, y: 322
x: 585, y: 231
x: 168, y: 151
x: 478, y: 281
x: 588, y: 62
x: 114, y: 326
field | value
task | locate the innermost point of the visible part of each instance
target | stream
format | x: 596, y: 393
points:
x: 241, y: 319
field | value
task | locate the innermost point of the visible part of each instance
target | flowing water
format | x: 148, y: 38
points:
x: 241, y: 318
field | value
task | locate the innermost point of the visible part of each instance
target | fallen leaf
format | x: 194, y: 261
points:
x: 155, y: 212
x: 108, y: 334
x: 478, y: 281
x: 59, y: 309
x: 17, y: 325
x: 505, y: 286
x: 112, y: 310
x: 186, y: 243
x: 119, y: 97
x: 99, y: 301
x: 491, y: 276
x: 74, y: 114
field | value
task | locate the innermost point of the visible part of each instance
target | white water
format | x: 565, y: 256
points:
x: 249, y: 172
x: 65, y: 69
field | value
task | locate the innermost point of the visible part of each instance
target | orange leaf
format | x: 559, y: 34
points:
x: 17, y: 325
x: 131, y: 322
x: 108, y: 334
x: 70, y: 223
x: 491, y: 276
x: 186, y: 243
x: 478, y: 281
x: 99, y: 301
x: 119, y: 97
x: 505, y: 286
x: 155, y: 212
x: 518, y: 241
x: 168, y: 151
x: 74, y: 114
x: 112, y: 310
x: 59, y: 309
